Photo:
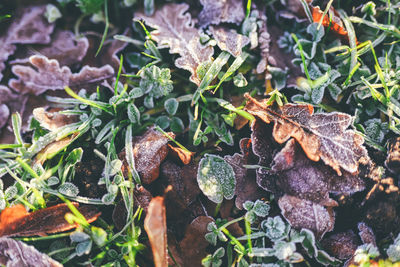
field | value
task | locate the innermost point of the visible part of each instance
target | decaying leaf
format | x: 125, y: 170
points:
x: 341, y: 245
x: 64, y: 47
x: 149, y: 150
x: 246, y: 186
x: 174, y: 29
x: 322, y: 136
x: 295, y: 174
x: 155, y: 225
x: 264, y: 41
x: 16, y: 221
x: 48, y: 75
x: 193, y: 245
x: 52, y: 120
x: 15, y: 253
x: 229, y: 40
x: 53, y: 148
x: 366, y: 234
x: 29, y: 27
x: 184, y: 156
x: 217, y: 11
x: 393, y: 158
x: 302, y: 213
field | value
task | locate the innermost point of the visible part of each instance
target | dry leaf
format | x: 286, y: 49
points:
x: 53, y: 148
x: 322, y: 135
x: 295, y: 174
x: 264, y: 41
x: 184, y: 156
x: 217, y: 11
x: 393, y: 158
x: 9, y: 103
x: 246, y: 186
x: 16, y: 221
x: 174, y: 29
x: 48, y: 75
x: 28, y: 27
x: 149, y: 150
x: 15, y: 253
x: 155, y: 225
x: 306, y: 214
x: 366, y: 234
x: 341, y: 245
x: 193, y: 245
x: 65, y: 47
x: 52, y: 120
x: 229, y: 40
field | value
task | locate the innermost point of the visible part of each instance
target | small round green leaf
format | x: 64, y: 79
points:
x: 171, y: 106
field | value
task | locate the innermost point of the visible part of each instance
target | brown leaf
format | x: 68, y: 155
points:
x: 366, y: 234
x: 322, y: 135
x: 217, y: 11
x: 341, y: 245
x: 155, y: 225
x: 302, y: 213
x: 16, y: 221
x: 65, y: 47
x: 297, y: 175
x: 149, y: 151
x: 246, y: 186
x: 229, y: 40
x: 174, y: 29
x: 15, y: 253
x: 193, y: 245
x: 393, y: 158
x: 53, y: 148
x: 28, y: 27
x: 48, y: 75
x: 184, y: 156
x: 264, y: 41
x: 52, y: 120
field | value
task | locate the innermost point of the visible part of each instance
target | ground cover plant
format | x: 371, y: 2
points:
x: 199, y: 133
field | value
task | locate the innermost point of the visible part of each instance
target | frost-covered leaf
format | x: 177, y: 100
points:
x: 393, y: 155
x: 15, y: 253
x: 48, y: 75
x: 65, y: 47
x: 284, y: 250
x: 307, y: 179
x: 174, y: 29
x: 365, y: 252
x: 171, y: 106
x: 246, y: 186
x: 28, y: 27
x: 149, y: 151
x: 155, y: 225
x: 342, y: 245
x: 306, y: 214
x: 133, y: 113
x: 275, y: 228
x: 217, y: 11
x: 366, y: 234
x: 322, y: 136
x: 216, y: 178
x: 52, y: 121
x: 229, y: 40
x: 68, y: 189
x: 393, y: 250
x: 16, y: 221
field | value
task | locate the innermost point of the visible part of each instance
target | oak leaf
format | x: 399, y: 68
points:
x: 16, y: 221
x: 48, y: 75
x: 302, y: 213
x: 217, y: 11
x: 28, y: 27
x: 310, y: 180
x: 174, y: 29
x: 322, y: 136
x: 155, y: 225
x: 15, y: 253
x: 229, y: 40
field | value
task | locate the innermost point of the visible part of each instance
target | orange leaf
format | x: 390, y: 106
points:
x: 16, y: 221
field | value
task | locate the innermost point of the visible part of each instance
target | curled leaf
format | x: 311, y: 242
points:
x: 15, y: 253
x: 229, y: 40
x: 29, y: 27
x: 322, y: 136
x: 155, y: 225
x: 306, y: 214
x: 16, y: 221
x: 183, y: 155
x: 174, y: 29
x: 52, y: 120
x: 48, y: 75
x: 217, y: 11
